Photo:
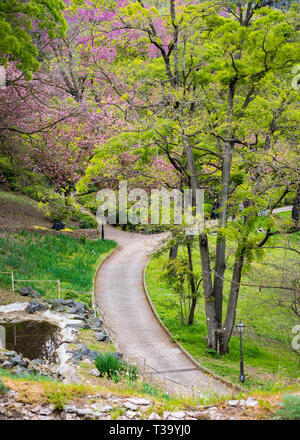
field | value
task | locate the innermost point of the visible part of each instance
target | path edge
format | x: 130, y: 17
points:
x: 107, y: 257
x: 205, y: 370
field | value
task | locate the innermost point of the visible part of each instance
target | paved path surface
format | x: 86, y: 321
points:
x: 120, y: 295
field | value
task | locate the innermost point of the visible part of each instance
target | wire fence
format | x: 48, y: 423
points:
x: 148, y: 373
x: 60, y: 289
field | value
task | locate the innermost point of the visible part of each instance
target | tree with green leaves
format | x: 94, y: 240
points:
x: 208, y: 85
x: 21, y: 23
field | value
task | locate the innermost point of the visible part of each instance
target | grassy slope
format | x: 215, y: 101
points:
x: 37, y: 256
x: 267, y: 366
x: 17, y: 210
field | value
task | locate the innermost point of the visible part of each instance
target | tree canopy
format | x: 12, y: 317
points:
x: 22, y: 24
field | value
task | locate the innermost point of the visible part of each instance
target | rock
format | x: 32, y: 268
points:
x: 144, y: 408
x: 29, y: 291
x: 101, y: 336
x: 139, y: 401
x: 70, y: 409
x: 95, y: 324
x: 35, y: 306
x: 179, y: 415
x: 95, y: 372
x: 10, y: 353
x: 71, y: 417
x: 77, y: 325
x: 71, y: 310
x: 46, y: 411
x: 101, y: 408
x: 60, y: 309
x: 130, y: 406
x: 81, y: 308
x: 7, y: 365
x: 68, y: 302
x: 18, y: 360
x: 154, y: 416
x: 93, y: 354
x: 18, y: 370
x: 250, y: 402
x: 233, y: 402
x: 68, y: 373
x: 55, y: 301
x: 130, y: 414
x: 85, y: 412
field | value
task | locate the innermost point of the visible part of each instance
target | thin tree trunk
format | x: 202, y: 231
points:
x: 192, y: 285
x: 210, y: 311
x: 221, y: 241
x: 233, y: 297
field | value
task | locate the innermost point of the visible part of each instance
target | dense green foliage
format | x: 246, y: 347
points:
x: 270, y: 363
x: 113, y: 368
x: 23, y: 21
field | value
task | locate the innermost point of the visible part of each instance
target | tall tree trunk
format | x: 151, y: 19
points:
x: 192, y: 285
x: 221, y: 241
x: 233, y: 297
x: 210, y: 311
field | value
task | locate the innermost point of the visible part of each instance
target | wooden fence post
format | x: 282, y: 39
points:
x: 12, y: 281
x: 58, y: 288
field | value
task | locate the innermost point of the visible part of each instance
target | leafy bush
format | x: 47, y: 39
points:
x: 111, y: 367
x: 290, y: 409
x: 88, y: 222
x: 58, y: 213
x: 6, y: 168
x: 89, y: 201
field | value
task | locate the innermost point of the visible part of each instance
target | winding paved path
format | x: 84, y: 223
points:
x: 121, y: 297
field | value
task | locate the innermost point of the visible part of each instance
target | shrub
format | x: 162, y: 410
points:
x: 58, y: 213
x: 290, y: 409
x: 111, y: 367
x: 108, y: 365
x: 89, y: 201
x: 88, y: 222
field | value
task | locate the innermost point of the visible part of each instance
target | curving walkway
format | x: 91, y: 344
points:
x: 121, y: 297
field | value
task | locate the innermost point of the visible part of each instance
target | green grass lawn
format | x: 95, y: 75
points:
x: 34, y: 256
x: 268, y: 365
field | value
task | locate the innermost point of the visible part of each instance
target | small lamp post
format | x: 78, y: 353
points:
x: 240, y: 327
x: 102, y: 231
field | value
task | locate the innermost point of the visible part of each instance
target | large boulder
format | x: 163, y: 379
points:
x: 101, y: 336
x: 29, y: 291
x: 35, y: 306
